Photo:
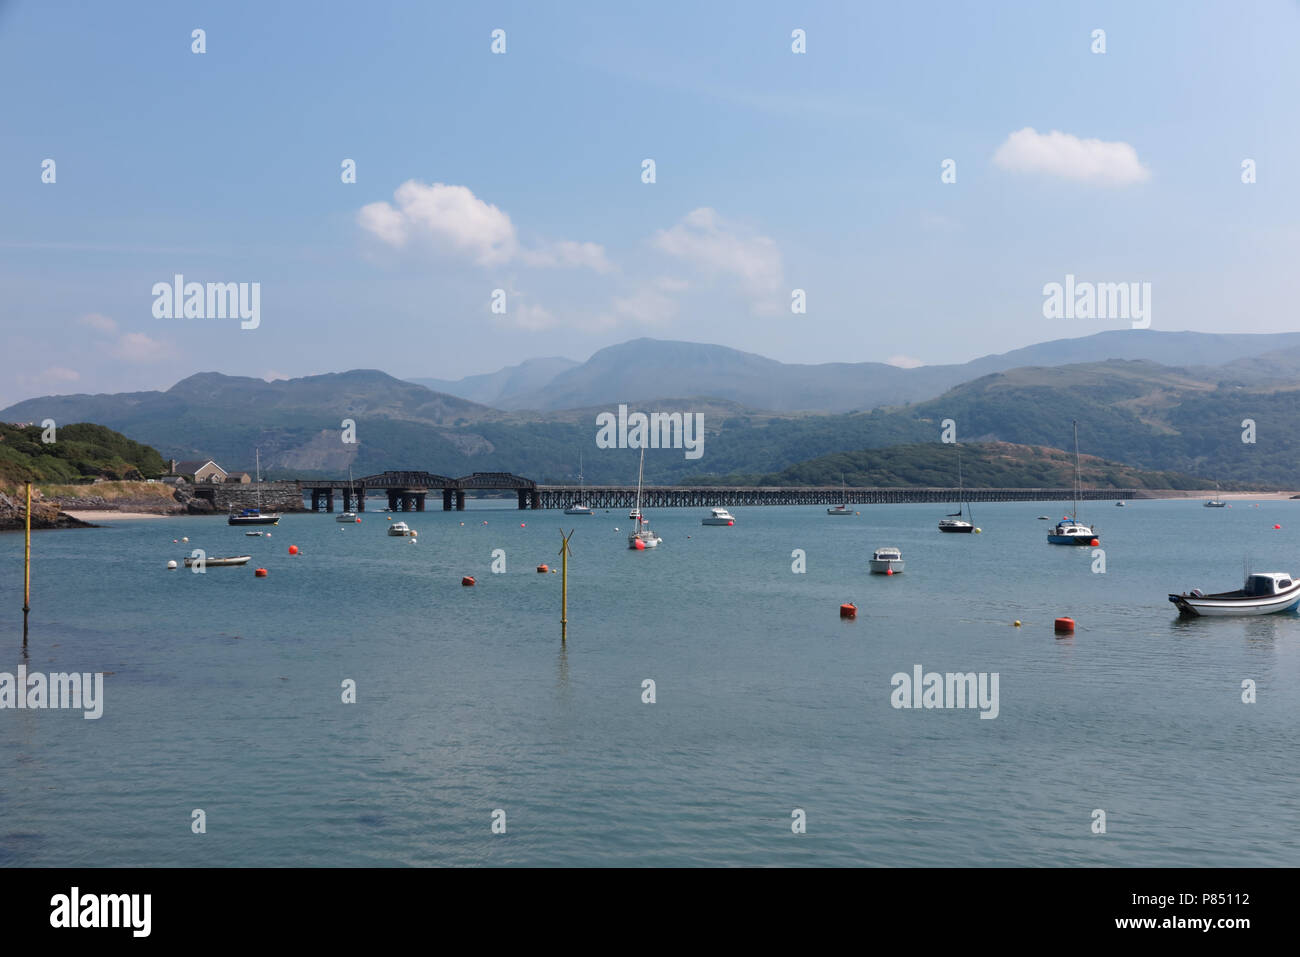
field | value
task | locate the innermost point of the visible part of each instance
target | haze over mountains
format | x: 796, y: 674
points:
x: 651, y: 368
x: 1182, y: 414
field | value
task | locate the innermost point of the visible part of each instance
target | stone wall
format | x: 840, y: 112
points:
x: 276, y: 496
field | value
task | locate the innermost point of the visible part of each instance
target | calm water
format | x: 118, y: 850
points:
x: 225, y: 694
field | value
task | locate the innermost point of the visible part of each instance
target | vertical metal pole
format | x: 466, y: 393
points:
x: 27, y: 565
x: 564, y: 584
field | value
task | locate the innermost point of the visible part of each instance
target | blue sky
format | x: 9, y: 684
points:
x: 774, y: 171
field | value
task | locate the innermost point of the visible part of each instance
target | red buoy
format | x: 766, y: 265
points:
x: 467, y: 580
x: 1277, y: 526
x: 358, y: 521
x: 293, y: 549
x: 260, y: 573
x: 848, y: 610
x: 543, y: 569
x: 729, y: 523
x: 1065, y: 626
x: 889, y: 571
x: 1094, y: 543
x: 638, y: 544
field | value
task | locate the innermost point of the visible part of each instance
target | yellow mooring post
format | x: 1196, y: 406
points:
x: 27, y: 566
x: 564, y: 584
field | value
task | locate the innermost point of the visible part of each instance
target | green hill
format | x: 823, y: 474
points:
x: 983, y: 465
x: 80, y: 452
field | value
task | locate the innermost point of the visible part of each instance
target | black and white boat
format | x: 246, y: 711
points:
x: 1069, y: 530
x: 1216, y: 502
x: 254, y: 516
x: 1264, y: 593
x: 955, y: 523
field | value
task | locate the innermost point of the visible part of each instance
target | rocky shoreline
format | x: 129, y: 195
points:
x: 44, y: 515
x: 50, y: 513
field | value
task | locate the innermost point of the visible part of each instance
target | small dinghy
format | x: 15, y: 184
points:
x: 1264, y: 593
x: 217, y: 562
x: 254, y: 534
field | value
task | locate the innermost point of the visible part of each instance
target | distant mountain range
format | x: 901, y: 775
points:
x: 669, y: 368
x: 500, y: 387
x: 1181, y: 418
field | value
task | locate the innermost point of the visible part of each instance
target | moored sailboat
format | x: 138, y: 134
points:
x: 254, y: 516
x: 955, y: 523
x: 1069, y: 530
x: 642, y: 538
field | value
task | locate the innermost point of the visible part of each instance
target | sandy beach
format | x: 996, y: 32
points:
x: 107, y: 515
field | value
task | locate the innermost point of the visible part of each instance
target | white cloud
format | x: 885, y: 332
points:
x: 717, y: 247
x: 525, y: 315
x: 904, y: 362
x: 98, y: 322
x: 451, y: 217
x: 1068, y: 157
x: 59, y: 374
x: 645, y: 305
x: 137, y: 347
x: 454, y: 221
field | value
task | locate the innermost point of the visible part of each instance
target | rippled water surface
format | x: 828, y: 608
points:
x: 224, y: 693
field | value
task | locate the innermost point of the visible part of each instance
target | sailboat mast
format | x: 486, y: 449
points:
x: 639, y: 473
x: 1076, y: 469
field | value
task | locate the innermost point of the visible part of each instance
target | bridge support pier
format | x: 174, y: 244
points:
x: 460, y: 500
x: 446, y: 499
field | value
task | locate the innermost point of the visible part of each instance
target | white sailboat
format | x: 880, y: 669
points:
x: 348, y: 516
x: 579, y: 507
x: 1071, y: 531
x: 842, y: 508
x: 642, y: 538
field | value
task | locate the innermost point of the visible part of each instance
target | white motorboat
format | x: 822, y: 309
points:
x: 886, y: 561
x: 839, y: 510
x: 346, y: 517
x: 577, y: 508
x: 400, y: 529
x: 955, y: 523
x: 634, y: 512
x: 1264, y: 593
x: 1069, y: 530
x: 641, y: 538
x: 218, y: 562
x: 719, y: 516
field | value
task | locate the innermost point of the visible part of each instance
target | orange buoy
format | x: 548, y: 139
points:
x: 293, y: 549
x: 848, y: 610
x: 358, y: 521
x: 467, y: 580
x: 260, y: 573
x: 638, y: 544
x: 543, y: 569
x: 1094, y: 543
x: 1065, y: 626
